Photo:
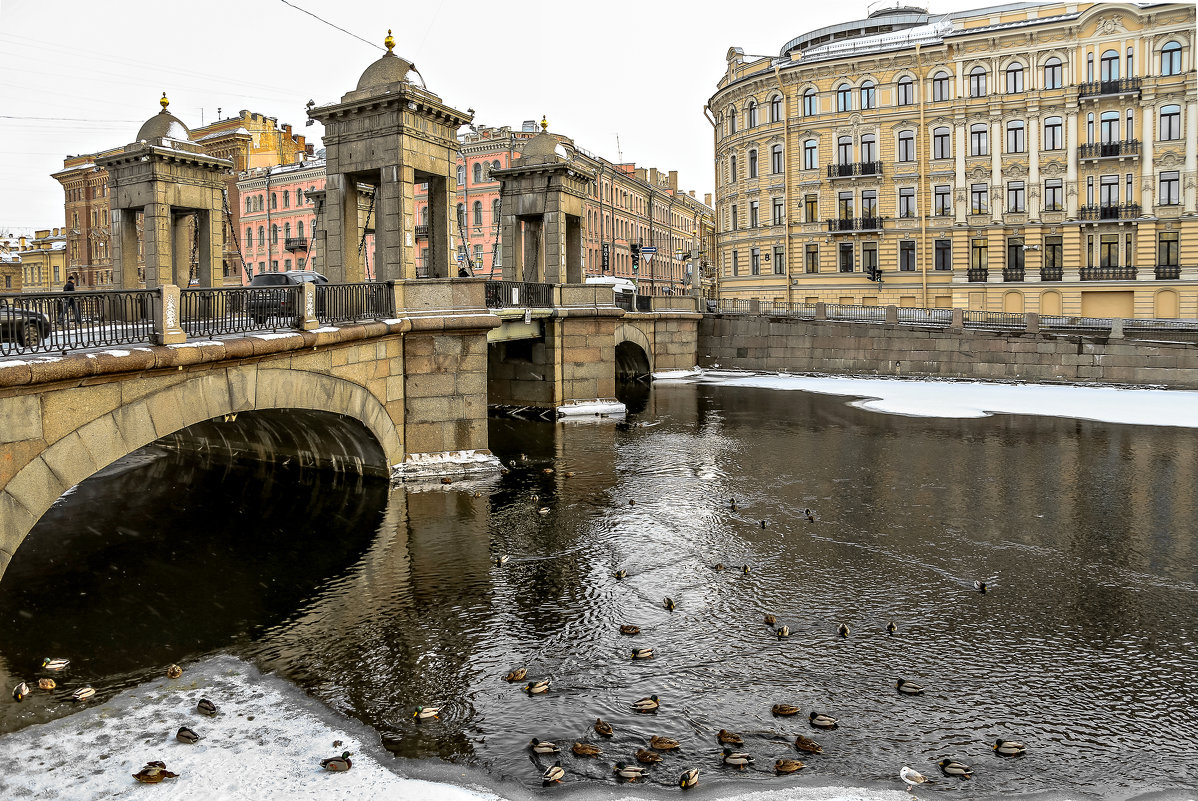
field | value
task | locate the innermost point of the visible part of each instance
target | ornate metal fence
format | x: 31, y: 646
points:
x: 350, y: 303
x: 55, y: 322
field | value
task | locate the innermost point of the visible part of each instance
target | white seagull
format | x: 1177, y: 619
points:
x: 911, y: 777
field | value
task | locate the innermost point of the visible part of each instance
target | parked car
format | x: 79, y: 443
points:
x: 23, y: 326
x: 265, y: 303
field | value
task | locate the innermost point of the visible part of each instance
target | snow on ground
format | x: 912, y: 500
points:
x: 935, y: 398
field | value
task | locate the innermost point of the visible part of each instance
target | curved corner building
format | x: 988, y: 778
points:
x: 1028, y: 157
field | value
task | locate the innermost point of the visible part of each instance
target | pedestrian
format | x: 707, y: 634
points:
x: 69, y: 303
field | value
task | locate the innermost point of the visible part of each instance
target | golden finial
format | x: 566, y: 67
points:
x: 544, y: 124
x: 389, y: 41
x: 164, y: 102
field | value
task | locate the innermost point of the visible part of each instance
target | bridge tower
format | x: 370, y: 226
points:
x: 168, y: 178
x: 389, y: 133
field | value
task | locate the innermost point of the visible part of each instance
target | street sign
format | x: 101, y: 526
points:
x: 606, y: 256
x: 648, y: 249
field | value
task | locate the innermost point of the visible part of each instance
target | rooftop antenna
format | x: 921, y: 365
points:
x: 619, y: 152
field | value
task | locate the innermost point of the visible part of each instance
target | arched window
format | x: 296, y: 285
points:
x: 906, y: 91
x: 751, y: 114
x: 1131, y: 64
x: 776, y: 159
x: 776, y: 108
x: 249, y: 237
x: 274, y: 233
x: 1052, y: 73
x: 979, y: 139
x: 942, y: 143
x: 495, y: 165
x: 844, y: 150
x: 261, y: 236
x: 942, y: 86
x: 869, y: 95
x: 906, y: 146
x: 1109, y: 127
x: 274, y: 201
x: 1109, y: 65
x: 248, y: 202
x: 869, y: 148
x: 478, y: 212
x: 461, y: 214
x: 1016, y: 137
x: 286, y: 199
x: 810, y: 154
x: 1170, y: 127
x: 732, y: 176
x: 424, y: 215
x: 461, y: 174
x: 286, y: 231
x: 844, y: 97
x: 977, y: 82
x: 1014, y: 79
x: 752, y: 163
x: 1171, y: 59
x: 731, y: 120
x: 809, y: 103
x: 495, y: 211
x: 478, y: 172
x: 1053, y: 133
x: 299, y: 197
x: 299, y: 229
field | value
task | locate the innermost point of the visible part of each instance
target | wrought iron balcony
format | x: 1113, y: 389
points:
x: 295, y: 243
x: 1012, y: 273
x: 977, y: 274
x: 1166, y: 272
x: 1052, y: 273
x: 1108, y: 273
x: 422, y: 232
x: 1128, y: 211
x: 843, y: 224
x: 1106, y: 150
x: 855, y: 170
x: 1119, y: 86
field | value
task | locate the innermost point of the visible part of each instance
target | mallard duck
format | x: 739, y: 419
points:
x: 785, y: 710
x: 732, y: 504
x: 810, y: 515
x: 426, y: 712
x: 764, y: 524
x: 603, y: 728
x: 718, y: 566
x: 82, y: 694
x: 843, y: 630
x: 20, y: 691
x: 620, y: 574
x: 153, y: 773
x: 642, y: 653
x: 689, y: 779
x: 55, y: 664
x: 630, y: 629
x: 647, y: 757
x: 538, y: 687
x: 503, y: 471
x: 1009, y: 747
x: 737, y: 758
x: 478, y: 494
x: 548, y: 471
x: 821, y: 721
x: 337, y: 764
x: 729, y: 737
x: 174, y: 672
x: 630, y: 772
x: 501, y: 560
x: 787, y: 766
x: 585, y: 750
x: 543, y: 747
x: 783, y: 631
x: 663, y: 743
x: 951, y: 767
x: 891, y: 628
x: 669, y: 604
x: 770, y: 620
x: 807, y: 745
x: 206, y: 707
x: 46, y: 684
x: 516, y: 675
x: 907, y: 688
x: 186, y: 735
x: 980, y: 586
x: 632, y: 501
x: 911, y: 777
x: 553, y: 773
x: 649, y: 704
x: 745, y: 570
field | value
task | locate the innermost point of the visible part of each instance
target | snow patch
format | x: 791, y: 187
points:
x: 275, y: 335
x: 600, y: 408
x: 674, y: 375
x: 424, y: 466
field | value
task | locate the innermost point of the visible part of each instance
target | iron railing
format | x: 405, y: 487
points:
x: 1012, y: 273
x: 989, y: 319
x: 842, y: 311
x: 803, y: 311
x: 1106, y: 150
x: 350, y: 303
x: 1168, y: 271
x: 918, y: 316
x: 1128, y: 211
x: 1116, y: 87
x: 855, y: 169
x: 1126, y: 273
x: 294, y: 243
x: 977, y: 274
x: 1052, y: 273
x: 422, y: 232
x: 216, y: 311
x: 644, y: 303
x: 1076, y: 323
x: 55, y: 322
x: 854, y: 224
x: 518, y: 294
x: 626, y: 301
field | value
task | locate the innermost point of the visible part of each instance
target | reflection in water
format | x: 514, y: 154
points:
x: 376, y: 601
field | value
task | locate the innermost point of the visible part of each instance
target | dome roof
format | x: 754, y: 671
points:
x: 544, y: 148
x: 163, y: 125
x: 390, y: 68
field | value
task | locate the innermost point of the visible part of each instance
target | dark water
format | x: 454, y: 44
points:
x: 376, y: 600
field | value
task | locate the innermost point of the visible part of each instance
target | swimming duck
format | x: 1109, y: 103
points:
x: 649, y: 704
x: 770, y: 619
x: 20, y: 691
x: 55, y: 664
x: 763, y: 524
x: 891, y: 628
x: 516, y: 675
x: 446, y: 480
x: 785, y: 710
x: 569, y: 474
x: 82, y: 694
x: 543, y: 747
x: 603, y: 728
x: 153, y: 773
x: 426, y: 712
x: 732, y: 504
x: 729, y: 738
x: 911, y: 777
x: 663, y: 743
x: 783, y: 631
x: 821, y: 721
x: 807, y: 745
x: 810, y: 515
x: 669, y: 604
x: 843, y: 630
x: 630, y: 772
x: 620, y: 574
x: 538, y: 687
x: 585, y: 750
x: 632, y: 501
x: 718, y: 566
x: 548, y: 471
x: 630, y: 629
x: 980, y: 586
x: 174, y: 672
x: 478, y: 494
x: 647, y: 757
x: 186, y: 735
x: 1009, y: 747
x: 689, y: 779
x: 544, y: 510
x: 206, y: 707
x: 951, y: 767
x: 46, y: 684
x: 642, y: 653
x: 737, y: 758
x: 502, y: 559
x: 907, y: 688
x: 745, y: 570
x: 337, y: 764
x: 553, y: 773
x: 503, y: 471
x: 783, y: 766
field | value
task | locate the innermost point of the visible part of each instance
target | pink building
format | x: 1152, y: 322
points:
x: 277, y: 219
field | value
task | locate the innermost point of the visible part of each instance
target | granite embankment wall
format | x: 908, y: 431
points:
x: 793, y: 345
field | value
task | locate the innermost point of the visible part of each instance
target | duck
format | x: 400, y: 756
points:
x: 174, y: 672
x: 478, y: 494
x: 46, y: 684
x: 732, y: 504
x: 569, y: 474
x: 951, y: 767
x: 821, y: 721
x: 503, y: 471
x: 785, y: 710
x: 338, y: 764
x: 807, y: 745
x: 770, y: 620
x: 554, y: 773
x: 649, y: 704
x: 843, y: 630
x: 548, y: 471
x: 630, y: 629
x: 783, y: 631
x: 718, y: 566
x: 783, y: 766
x: 20, y: 691
x: 745, y: 570
x: 630, y: 772
x: 153, y: 773
x: 543, y: 747
x: 538, y: 687
x: 669, y: 604
x: 764, y: 523
x: 1009, y: 747
x: 726, y: 737
x: 689, y: 779
x: 642, y: 653
x: 585, y: 750
x: 907, y: 688
x: 620, y: 574
x: 186, y: 735
x: 810, y: 515
x: 55, y: 664
x: 737, y: 758
x: 980, y: 586
x: 82, y: 694
x: 206, y: 707
x: 501, y: 560
x: 663, y: 743
x: 426, y: 712
x: 603, y: 728
x: 446, y: 480
x: 891, y: 628
x: 647, y: 757
x: 544, y: 510
x: 911, y: 777
x: 516, y: 675
x: 632, y: 501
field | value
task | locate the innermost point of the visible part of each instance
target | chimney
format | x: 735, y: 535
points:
x: 653, y: 177
x: 640, y: 173
x: 691, y: 193
x: 707, y: 199
x: 287, y: 128
x: 674, y: 180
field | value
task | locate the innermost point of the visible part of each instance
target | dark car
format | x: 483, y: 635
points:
x: 270, y: 298
x: 24, y: 327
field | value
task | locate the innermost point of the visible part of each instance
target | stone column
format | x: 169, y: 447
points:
x: 1189, y: 191
x: 512, y: 245
x: 553, y: 246
x: 1072, y: 190
x: 156, y: 229
x: 1147, y: 179
x: 344, y: 205
x: 181, y: 225
x: 1033, y: 165
x: 533, y: 260
x: 389, y: 228
x: 442, y: 228
x: 124, y: 248
x: 960, y: 196
x: 997, y: 199
x: 210, y: 231
x: 574, y: 234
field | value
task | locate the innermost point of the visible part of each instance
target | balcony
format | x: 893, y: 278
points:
x: 1052, y: 273
x: 1108, y: 273
x: 844, y: 224
x: 1012, y: 273
x: 295, y: 243
x: 1108, y: 150
x: 855, y: 170
x: 977, y: 274
x: 1168, y: 272
x: 1119, y: 86
x: 1128, y: 211
x: 422, y: 232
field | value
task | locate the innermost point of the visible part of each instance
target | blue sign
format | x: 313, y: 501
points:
x: 648, y: 249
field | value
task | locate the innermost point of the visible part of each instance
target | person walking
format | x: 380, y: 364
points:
x: 69, y: 303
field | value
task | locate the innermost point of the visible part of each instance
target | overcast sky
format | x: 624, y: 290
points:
x: 639, y: 70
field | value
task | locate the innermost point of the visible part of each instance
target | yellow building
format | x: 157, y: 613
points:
x: 44, y: 261
x: 1023, y: 158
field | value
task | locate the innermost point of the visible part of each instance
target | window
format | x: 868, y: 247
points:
x: 751, y: 114
x: 906, y: 201
x: 1167, y: 249
x: 869, y: 97
x: 731, y: 120
x: 1053, y: 194
x: 1108, y: 190
x: 478, y: 173
x: 846, y: 257
x: 811, y: 260
x: 249, y: 238
x: 809, y: 101
x: 461, y: 174
x: 941, y: 144
x: 754, y: 212
x: 869, y: 204
x: 942, y: 86
x: 261, y: 236
x: 752, y: 163
x: 776, y: 159
x: 1054, y: 253
x: 1015, y: 253
x: 274, y: 200
x: 844, y: 97
x: 1090, y: 127
x: 776, y: 109
x: 1053, y: 134
x: 299, y: 229
x: 1052, y: 73
x: 1131, y: 70
x: 732, y: 167
x: 869, y: 260
x: 1108, y: 254
x: 478, y: 212
x: 495, y: 165
x: 1109, y: 126
x: 906, y: 91
x: 844, y: 150
x: 906, y: 146
x: 779, y: 260
x: 1016, y: 142
x: 907, y: 256
x: 274, y: 234
x: 299, y: 197
x: 1170, y: 189
x: 779, y: 207
x: 977, y: 82
x: 1170, y: 122
x: 1171, y: 59
x: 1110, y: 65
x: 978, y: 254
x: 247, y: 208
x: 869, y: 148
x: 732, y: 217
x: 495, y: 212
x: 844, y: 205
x: 461, y: 214
x: 735, y: 263
x: 1131, y: 124
x: 811, y: 208
x: 943, y: 205
x: 286, y: 199
x: 810, y: 154
x: 944, y: 254
x: 979, y: 139
x: 1014, y: 79
x: 286, y: 230
x: 755, y: 261
x: 978, y: 201
x: 1016, y: 197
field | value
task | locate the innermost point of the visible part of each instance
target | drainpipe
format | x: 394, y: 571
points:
x: 923, y: 183
x: 269, y: 233
x: 715, y: 199
x: 785, y: 181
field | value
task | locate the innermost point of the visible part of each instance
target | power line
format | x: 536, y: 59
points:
x: 330, y: 24
x: 62, y: 119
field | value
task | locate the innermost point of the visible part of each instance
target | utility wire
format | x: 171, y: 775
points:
x: 331, y: 25
x: 63, y: 119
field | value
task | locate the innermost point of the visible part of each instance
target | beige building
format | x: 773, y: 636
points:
x: 43, y: 261
x: 1028, y: 157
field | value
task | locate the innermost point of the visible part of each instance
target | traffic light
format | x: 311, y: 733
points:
x: 636, y: 257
